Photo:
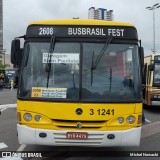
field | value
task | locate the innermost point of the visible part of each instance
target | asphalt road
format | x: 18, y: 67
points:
x: 7, y: 96
x: 150, y: 140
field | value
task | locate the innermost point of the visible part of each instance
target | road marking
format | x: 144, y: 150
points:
x: 21, y: 148
x: 10, y: 158
x: 3, y: 145
x: 147, y: 120
x: 3, y: 109
x: 6, y: 106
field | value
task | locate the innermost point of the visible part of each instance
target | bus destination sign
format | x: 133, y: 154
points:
x: 81, y: 31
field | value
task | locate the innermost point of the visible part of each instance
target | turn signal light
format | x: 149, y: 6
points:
x: 18, y: 116
x: 139, y: 119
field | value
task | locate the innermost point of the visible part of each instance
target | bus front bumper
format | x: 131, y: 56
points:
x: 27, y: 135
x: 155, y: 103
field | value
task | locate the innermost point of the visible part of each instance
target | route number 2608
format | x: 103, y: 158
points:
x: 46, y: 31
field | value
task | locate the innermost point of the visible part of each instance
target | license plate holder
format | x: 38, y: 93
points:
x: 77, y: 135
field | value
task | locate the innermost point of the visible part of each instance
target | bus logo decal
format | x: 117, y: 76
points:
x: 79, y: 111
x: 79, y: 125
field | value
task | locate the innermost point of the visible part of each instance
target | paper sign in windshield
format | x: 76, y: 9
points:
x: 49, y: 92
x: 61, y: 58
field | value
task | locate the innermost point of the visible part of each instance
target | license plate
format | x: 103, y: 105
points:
x: 77, y: 135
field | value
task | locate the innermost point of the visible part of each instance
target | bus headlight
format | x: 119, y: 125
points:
x: 120, y: 120
x: 131, y: 119
x: 27, y: 117
x: 37, y: 117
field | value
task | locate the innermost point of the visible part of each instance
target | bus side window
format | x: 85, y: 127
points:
x: 145, y: 73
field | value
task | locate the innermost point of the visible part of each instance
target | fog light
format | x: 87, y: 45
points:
x: 131, y: 119
x: 37, y: 117
x: 120, y: 120
x: 27, y: 117
x: 110, y: 136
x: 42, y: 135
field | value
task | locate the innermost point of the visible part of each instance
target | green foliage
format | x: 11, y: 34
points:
x: 3, y: 66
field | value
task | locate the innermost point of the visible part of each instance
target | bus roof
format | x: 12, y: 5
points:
x: 81, y: 22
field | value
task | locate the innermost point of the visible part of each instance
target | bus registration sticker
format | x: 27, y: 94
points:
x: 77, y: 135
x: 49, y: 92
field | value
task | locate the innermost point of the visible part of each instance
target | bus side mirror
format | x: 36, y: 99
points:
x: 15, y: 52
x: 151, y: 67
x: 141, y: 56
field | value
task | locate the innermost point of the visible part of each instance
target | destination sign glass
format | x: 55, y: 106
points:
x: 81, y: 31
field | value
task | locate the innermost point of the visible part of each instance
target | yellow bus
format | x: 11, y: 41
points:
x: 79, y: 83
x: 151, y: 84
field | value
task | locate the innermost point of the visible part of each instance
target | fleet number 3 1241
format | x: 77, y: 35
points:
x: 101, y: 111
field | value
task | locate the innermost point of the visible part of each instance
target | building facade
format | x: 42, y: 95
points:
x: 6, y: 60
x: 1, y: 25
x: 110, y: 15
x: 100, y: 13
x: 4, y: 57
x: 1, y: 32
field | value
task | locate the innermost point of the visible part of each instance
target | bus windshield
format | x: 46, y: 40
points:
x: 72, y: 76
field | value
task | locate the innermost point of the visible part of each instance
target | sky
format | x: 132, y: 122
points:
x: 17, y: 14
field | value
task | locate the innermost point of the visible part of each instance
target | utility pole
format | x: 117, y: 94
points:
x: 4, y: 53
x: 155, y: 6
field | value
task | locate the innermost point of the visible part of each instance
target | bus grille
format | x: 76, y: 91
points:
x: 94, y: 139
x: 72, y: 124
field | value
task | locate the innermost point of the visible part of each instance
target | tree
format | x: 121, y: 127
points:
x: 3, y: 66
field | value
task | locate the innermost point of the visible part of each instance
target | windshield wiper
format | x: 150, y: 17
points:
x: 49, y: 58
x: 92, y: 68
x: 110, y: 79
x: 94, y: 64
